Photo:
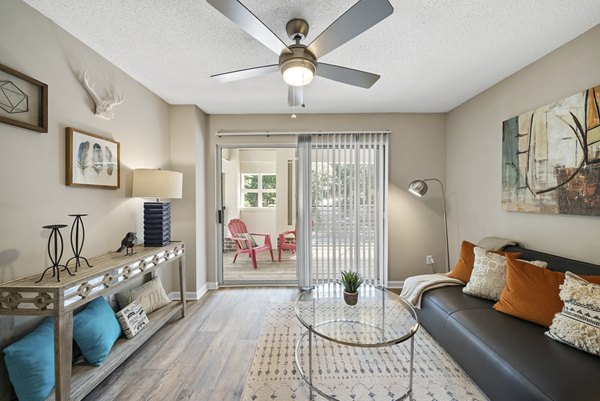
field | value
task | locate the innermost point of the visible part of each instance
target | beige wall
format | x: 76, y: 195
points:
x: 32, y: 165
x: 204, y: 226
x: 474, y: 156
x: 186, y: 141
x: 417, y: 149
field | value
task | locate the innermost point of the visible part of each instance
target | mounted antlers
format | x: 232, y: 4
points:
x: 104, y: 108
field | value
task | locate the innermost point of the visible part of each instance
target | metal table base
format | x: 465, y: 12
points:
x: 308, y: 377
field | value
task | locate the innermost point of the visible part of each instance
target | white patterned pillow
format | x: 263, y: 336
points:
x: 488, y: 278
x: 578, y: 325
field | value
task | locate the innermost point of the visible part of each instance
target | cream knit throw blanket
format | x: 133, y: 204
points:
x: 415, y: 286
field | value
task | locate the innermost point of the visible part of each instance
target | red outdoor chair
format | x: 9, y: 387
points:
x: 245, y: 243
x: 284, y: 245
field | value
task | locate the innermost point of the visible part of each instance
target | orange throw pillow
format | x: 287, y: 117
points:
x: 531, y: 292
x: 464, y: 267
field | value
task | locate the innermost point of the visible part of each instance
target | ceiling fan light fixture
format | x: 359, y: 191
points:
x: 298, y: 71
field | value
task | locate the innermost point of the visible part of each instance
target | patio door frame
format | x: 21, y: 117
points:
x: 219, y: 215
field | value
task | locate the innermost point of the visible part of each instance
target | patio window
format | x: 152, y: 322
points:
x: 259, y: 190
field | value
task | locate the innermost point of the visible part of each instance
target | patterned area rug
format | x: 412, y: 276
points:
x: 350, y: 373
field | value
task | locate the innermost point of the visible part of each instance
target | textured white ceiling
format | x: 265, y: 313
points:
x: 432, y: 55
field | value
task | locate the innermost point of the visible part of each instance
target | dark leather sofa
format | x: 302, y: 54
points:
x: 511, y: 359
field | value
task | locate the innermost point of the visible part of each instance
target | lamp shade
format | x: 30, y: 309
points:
x: 418, y: 187
x: 150, y: 183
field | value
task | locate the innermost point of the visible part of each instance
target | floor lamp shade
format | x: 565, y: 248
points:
x: 148, y: 183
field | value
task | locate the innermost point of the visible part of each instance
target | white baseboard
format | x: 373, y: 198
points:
x: 212, y: 286
x: 395, y: 284
x: 190, y: 295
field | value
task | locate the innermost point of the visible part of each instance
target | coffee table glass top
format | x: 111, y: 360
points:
x: 379, y: 318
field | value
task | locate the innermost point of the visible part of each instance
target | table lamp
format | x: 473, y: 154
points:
x: 150, y: 183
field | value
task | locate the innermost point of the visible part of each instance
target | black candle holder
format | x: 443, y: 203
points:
x: 76, y: 245
x: 58, y: 252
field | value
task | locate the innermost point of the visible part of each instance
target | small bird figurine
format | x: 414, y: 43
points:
x: 128, y: 242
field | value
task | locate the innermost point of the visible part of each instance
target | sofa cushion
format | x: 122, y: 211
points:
x: 578, y: 325
x: 463, y: 268
x: 452, y: 299
x: 95, y: 330
x: 511, y: 359
x: 489, y: 274
x: 531, y: 293
x: 150, y: 295
x: 440, y: 303
x: 30, y: 363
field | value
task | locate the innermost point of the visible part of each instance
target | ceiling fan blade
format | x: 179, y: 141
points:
x: 360, y: 17
x: 238, y: 13
x: 345, y: 75
x: 295, y: 96
x: 245, y: 73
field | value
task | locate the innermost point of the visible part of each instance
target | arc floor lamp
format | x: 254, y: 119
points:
x: 419, y: 188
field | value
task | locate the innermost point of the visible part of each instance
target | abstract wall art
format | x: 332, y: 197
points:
x: 92, y: 160
x: 23, y: 100
x: 551, y: 157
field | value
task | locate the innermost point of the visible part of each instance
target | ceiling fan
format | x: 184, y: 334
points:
x: 299, y: 63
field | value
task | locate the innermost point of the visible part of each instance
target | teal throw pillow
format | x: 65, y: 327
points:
x: 95, y: 330
x: 30, y: 363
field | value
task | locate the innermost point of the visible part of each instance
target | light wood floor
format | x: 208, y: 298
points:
x: 204, y: 357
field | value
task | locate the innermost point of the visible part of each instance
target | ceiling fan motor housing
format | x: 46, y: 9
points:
x: 299, y: 58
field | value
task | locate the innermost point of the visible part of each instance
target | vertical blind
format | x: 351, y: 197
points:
x: 342, y: 194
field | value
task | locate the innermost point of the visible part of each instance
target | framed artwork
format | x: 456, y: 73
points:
x: 23, y: 100
x: 551, y: 157
x: 92, y: 161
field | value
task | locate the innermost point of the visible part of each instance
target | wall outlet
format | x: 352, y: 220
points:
x: 429, y: 260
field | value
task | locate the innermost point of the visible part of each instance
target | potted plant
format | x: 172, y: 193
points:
x: 351, y: 281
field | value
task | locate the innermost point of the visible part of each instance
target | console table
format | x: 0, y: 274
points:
x: 110, y: 273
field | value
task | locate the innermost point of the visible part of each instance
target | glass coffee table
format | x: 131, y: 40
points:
x: 379, y: 319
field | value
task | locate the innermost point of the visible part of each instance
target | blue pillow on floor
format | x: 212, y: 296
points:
x: 30, y: 363
x: 95, y: 330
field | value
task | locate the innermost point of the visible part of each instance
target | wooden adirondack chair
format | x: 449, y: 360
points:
x: 283, y: 245
x: 245, y: 242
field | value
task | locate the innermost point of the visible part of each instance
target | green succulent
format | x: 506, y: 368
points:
x: 351, y: 281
